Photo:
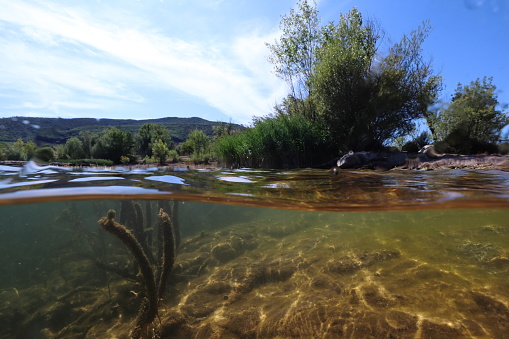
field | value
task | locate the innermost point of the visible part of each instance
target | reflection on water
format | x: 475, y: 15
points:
x: 246, y: 272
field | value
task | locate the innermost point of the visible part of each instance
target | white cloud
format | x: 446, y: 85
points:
x: 58, y: 55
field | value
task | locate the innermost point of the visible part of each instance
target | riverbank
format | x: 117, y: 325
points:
x: 421, y: 161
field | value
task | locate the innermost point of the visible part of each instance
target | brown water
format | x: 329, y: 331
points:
x: 263, y: 254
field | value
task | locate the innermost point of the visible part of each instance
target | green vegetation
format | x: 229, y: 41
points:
x: 199, y: 143
x: 150, y: 134
x: 345, y: 93
x: 287, y: 140
x: 160, y: 151
x: 471, y: 123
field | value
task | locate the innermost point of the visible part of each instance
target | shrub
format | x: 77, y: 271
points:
x: 173, y: 156
x: 283, y: 141
x: 45, y: 154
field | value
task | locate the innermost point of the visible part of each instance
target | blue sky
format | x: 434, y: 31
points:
x: 156, y: 58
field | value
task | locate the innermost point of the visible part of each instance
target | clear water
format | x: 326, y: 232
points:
x: 263, y: 254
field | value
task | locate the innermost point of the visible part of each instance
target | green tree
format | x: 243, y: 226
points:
x: 87, y: 139
x: 294, y: 54
x: 15, y: 151
x: 29, y: 149
x: 148, y: 135
x: 473, y: 113
x: 160, y: 151
x: 74, y: 148
x: 3, y: 153
x: 45, y: 154
x: 199, y: 142
x: 112, y: 144
x: 363, y: 103
x: 185, y: 148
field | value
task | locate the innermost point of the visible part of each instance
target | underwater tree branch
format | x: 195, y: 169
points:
x: 148, y: 310
x: 169, y: 253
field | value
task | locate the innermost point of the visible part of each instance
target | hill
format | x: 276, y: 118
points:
x: 53, y: 131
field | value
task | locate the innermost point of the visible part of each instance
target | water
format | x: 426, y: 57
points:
x: 263, y: 254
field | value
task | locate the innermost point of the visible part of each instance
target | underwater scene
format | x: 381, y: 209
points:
x: 155, y: 253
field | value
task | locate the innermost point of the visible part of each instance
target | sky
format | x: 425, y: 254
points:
x: 149, y: 59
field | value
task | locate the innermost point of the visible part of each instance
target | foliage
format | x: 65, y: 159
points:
x: 293, y: 56
x: 16, y: 151
x: 97, y: 162
x: 113, y: 144
x: 160, y: 151
x: 124, y: 160
x: 199, y: 142
x: 29, y: 149
x: 54, y: 131
x: 418, y: 142
x: 87, y: 139
x: 279, y: 142
x: 60, y: 152
x: 45, y: 154
x: 472, y: 113
x: 148, y: 135
x: 173, y: 156
x: 3, y: 154
x: 74, y: 148
x: 185, y: 148
x: 364, y: 103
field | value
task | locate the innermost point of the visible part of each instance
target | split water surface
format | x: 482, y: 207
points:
x: 259, y: 253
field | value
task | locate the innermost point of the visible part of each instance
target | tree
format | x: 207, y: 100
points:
x: 15, y: 151
x: 148, y: 135
x: 364, y: 103
x: 112, y: 144
x: 86, y: 138
x: 45, y: 154
x: 294, y: 55
x: 74, y: 148
x: 3, y: 154
x: 343, y: 84
x: 160, y: 151
x: 472, y: 113
x: 198, y: 141
x: 29, y: 149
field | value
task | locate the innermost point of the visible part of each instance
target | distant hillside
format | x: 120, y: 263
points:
x: 52, y: 131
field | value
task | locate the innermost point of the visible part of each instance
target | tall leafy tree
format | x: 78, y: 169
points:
x: 113, y: 144
x: 148, y: 135
x: 160, y: 151
x: 74, y: 148
x: 87, y: 139
x: 294, y: 54
x: 364, y: 99
x: 199, y: 141
x: 474, y: 112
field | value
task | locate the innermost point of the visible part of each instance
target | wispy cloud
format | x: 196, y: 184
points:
x: 57, y: 57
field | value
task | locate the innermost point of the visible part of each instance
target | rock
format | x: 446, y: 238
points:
x: 428, y: 159
x: 372, y: 160
x: 224, y: 252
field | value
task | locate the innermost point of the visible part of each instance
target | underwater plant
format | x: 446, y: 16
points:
x: 149, y: 306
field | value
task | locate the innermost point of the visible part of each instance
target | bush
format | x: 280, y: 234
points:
x: 45, y: 154
x: 173, y: 156
x: 124, y: 159
x: 98, y: 162
x: 3, y: 155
